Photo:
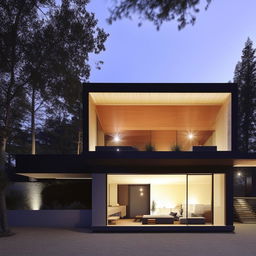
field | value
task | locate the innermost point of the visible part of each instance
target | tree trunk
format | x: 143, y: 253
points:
x: 79, y: 141
x: 80, y: 132
x: 33, y: 131
x: 4, y: 227
x: 3, y: 144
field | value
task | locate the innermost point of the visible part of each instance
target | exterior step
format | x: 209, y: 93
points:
x: 243, y: 211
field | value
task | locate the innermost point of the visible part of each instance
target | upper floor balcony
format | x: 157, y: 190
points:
x: 160, y: 121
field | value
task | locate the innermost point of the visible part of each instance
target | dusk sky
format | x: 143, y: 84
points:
x: 205, y: 52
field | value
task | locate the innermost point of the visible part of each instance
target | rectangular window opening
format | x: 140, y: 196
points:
x: 166, y: 200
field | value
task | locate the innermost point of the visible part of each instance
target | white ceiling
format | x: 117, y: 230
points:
x: 116, y: 98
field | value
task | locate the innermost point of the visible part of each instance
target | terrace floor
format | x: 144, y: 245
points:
x: 56, y: 241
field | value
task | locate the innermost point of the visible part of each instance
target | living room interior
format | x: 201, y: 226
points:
x: 173, y: 199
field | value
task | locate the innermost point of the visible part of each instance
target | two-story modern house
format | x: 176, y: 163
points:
x: 161, y: 156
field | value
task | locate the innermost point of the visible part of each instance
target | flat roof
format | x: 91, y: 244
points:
x: 159, y: 87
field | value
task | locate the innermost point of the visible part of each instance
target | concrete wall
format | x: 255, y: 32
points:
x: 50, y: 218
x: 99, y: 202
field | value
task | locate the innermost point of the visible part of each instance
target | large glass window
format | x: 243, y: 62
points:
x: 183, y: 199
x: 199, y: 191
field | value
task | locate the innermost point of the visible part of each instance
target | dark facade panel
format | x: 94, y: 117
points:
x: 130, y: 162
x: 161, y: 229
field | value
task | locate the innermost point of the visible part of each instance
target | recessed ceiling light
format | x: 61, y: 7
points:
x: 116, y: 138
x: 190, y: 135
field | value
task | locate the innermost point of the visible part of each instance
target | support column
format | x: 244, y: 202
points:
x: 99, y: 199
x: 229, y: 197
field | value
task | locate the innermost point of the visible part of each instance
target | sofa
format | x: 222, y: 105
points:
x: 192, y: 220
x: 158, y: 219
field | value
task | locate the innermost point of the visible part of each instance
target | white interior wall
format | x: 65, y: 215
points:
x: 100, y: 135
x: 223, y: 127
x: 168, y: 196
x: 211, y: 140
x: 112, y: 196
x: 199, y: 193
x: 219, y: 199
x: 92, y: 125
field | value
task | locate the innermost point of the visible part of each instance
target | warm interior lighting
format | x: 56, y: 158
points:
x: 190, y: 136
x: 141, y: 193
x: 239, y: 174
x: 192, y: 200
x: 116, y: 138
x: 141, y: 189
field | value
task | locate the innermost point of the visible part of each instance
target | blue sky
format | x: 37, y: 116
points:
x: 205, y: 52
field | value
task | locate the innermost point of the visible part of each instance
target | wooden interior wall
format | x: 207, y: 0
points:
x: 124, y: 118
x: 161, y: 140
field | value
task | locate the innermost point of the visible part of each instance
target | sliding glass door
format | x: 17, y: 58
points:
x: 200, y: 198
x: 191, y: 199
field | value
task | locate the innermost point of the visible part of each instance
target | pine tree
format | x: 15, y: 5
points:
x: 157, y: 12
x: 245, y: 77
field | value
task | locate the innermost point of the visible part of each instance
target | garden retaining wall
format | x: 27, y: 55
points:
x: 50, y: 218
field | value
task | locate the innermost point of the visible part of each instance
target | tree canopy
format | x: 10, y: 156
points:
x: 245, y: 77
x: 44, y: 51
x: 44, y: 59
x: 157, y: 11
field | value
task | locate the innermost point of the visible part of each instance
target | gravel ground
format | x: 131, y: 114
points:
x: 56, y: 241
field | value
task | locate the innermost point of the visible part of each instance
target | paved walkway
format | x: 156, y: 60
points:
x: 53, y: 241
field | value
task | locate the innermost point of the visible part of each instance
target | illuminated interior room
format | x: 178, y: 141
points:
x: 160, y: 121
x: 139, y: 184
x: 173, y: 199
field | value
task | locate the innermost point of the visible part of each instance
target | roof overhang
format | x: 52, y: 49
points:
x: 159, y: 87
x: 81, y: 166
x: 52, y: 175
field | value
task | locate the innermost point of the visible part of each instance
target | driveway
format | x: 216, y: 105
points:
x: 56, y: 241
